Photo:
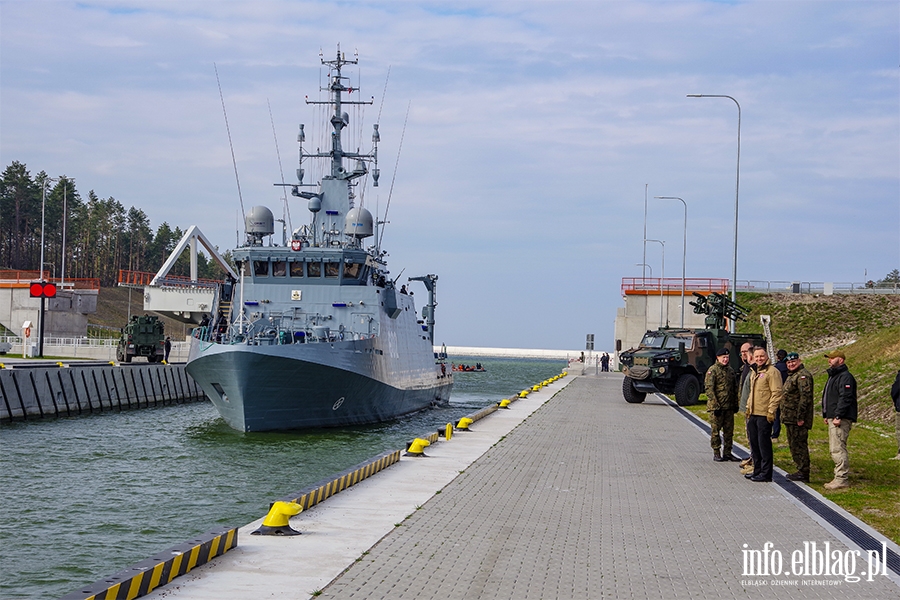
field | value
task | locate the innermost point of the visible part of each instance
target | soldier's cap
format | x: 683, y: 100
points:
x: 836, y: 354
x: 792, y: 356
x: 722, y: 352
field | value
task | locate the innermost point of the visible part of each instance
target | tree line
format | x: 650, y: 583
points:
x: 99, y: 236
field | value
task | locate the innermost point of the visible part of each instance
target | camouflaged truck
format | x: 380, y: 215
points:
x: 142, y: 336
x: 674, y: 360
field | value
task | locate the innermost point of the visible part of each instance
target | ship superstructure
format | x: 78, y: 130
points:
x: 314, y: 332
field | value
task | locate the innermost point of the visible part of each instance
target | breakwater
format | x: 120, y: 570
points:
x: 30, y: 392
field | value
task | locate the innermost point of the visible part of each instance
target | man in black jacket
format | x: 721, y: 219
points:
x: 839, y: 408
x: 895, y: 396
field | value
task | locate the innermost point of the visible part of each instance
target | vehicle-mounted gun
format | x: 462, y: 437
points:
x: 717, y: 308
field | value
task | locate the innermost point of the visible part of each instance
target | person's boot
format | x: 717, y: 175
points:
x: 728, y: 456
x: 717, y: 455
x: 798, y: 476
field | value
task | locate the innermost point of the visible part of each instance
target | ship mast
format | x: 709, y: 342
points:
x: 325, y: 197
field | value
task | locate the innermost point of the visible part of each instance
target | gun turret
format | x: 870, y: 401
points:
x: 717, y: 308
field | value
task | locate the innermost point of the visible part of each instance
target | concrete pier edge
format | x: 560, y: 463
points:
x: 150, y: 574
x: 160, y: 569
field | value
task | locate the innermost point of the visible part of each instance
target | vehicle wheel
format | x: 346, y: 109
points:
x: 687, y: 390
x: 632, y: 396
x: 151, y: 358
x: 127, y: 358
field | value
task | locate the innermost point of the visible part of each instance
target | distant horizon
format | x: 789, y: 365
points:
x: 516, y: 352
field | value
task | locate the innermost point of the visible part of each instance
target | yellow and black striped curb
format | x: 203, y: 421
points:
x: 318, y: 492
x: 147, y: 575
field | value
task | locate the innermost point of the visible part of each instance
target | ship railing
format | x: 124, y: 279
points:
x: 274, y: 334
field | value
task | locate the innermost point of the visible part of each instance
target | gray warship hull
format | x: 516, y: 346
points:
x: 301, y: 386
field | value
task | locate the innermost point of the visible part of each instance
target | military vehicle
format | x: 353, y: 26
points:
x: 674, y: 360
x: 143, y: 336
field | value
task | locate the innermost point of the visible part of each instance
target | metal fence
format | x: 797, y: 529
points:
x: 817, y: 287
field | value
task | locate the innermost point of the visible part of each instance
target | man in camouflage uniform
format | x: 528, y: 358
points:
x: 721, y: 404
x: 797, y: 414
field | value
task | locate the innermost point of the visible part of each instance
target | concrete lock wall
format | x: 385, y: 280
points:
x: 40, y: 392
x: 66, y: 315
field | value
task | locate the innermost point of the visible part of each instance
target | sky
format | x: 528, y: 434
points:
x: 532, y: 133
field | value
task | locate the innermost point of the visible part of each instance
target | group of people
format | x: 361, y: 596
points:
x: 764, y: 392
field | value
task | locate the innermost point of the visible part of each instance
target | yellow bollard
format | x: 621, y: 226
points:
x: 448, y: 431
x: 277, y: 521
x: 504, y: 404
x: 417, y: 447
x: 464, y: 423
x: 524, y: 393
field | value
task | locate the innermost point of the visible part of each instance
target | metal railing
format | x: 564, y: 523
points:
x: 650, y: 285
x: 817, y: 287
x: 22, y: 279
x: 143, y: 278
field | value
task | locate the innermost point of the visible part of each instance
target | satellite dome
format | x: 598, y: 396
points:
x: 259, y: 221
x: 359, y: 223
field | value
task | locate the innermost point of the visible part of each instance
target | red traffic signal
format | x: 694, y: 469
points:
x: 41, y: 289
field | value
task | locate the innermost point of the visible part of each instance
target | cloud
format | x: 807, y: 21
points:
x: 533, y: 129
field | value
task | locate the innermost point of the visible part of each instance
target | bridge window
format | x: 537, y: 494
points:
x: 261, y: 268
x: 331, y: 269
x: 351, y: 270
x: 279, y: 268
x: 297, y: 269
x: 314, y: 269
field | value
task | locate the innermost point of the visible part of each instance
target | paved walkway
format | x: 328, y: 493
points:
x: 591, y: 497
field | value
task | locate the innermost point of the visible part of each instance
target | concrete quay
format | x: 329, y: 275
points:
x: 578, y: 495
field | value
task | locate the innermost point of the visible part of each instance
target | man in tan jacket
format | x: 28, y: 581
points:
x: 762, y: 403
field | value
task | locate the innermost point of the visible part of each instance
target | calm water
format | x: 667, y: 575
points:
x: 84, y: 497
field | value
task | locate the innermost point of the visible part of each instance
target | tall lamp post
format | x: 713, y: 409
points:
x: 661, y: 279
x: 62, y: 274
x: 683, y: 250
x: 43, y: 211
x: 644, y: 282
x: 737, y: 186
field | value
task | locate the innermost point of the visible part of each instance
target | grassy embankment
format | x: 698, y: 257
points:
x: 867, y: 329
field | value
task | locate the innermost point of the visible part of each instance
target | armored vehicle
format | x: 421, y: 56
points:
x: 675, y: 360
x: 143, y: 336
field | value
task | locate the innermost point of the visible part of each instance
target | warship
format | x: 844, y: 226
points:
x: 314, y: 332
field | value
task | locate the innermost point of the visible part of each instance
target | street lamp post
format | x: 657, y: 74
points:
x: 644, y: 283
x: 646, y: 189
x: 62, y: 274
x: 43, y: 206
x: 661, y: 280
x: 683, y: 250
x: 645, y: 265
x: 737, y: 186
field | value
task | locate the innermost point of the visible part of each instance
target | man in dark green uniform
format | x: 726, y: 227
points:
x: 721, y: 404
x: 797, y: 414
